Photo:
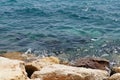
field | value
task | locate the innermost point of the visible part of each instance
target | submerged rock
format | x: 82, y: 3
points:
x: 13, y: 55
x: 94, y: 63
x: 12, y: 69
x: 63, y: 72
x: 18, y: 56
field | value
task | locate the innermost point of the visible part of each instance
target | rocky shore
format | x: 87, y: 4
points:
x: 19, y: 66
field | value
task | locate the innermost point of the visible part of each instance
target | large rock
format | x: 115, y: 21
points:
x: 12, y: 69
x: 63, y: 72
x: 38, y: 64
x: 94, y: 63
x: 115, y: 76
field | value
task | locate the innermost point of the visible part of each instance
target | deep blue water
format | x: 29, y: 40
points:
x: 71, y: 26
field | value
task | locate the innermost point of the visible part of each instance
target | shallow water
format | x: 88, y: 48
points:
x: 79, y: 27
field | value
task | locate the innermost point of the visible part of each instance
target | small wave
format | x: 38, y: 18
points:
x: 32, y: 12
x: 59, y: 25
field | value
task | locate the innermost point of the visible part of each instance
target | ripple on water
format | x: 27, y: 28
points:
x: 79, y: 27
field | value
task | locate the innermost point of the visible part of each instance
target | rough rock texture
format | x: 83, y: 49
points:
x: 116, y: 69
x: 12, y: 69
x: 38, y: 64
x: 63, y: 72
x: 94, y: 63
x: 115, y: 76
x: 35, y: 79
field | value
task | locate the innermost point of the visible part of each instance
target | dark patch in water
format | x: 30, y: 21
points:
x: 32, y: 12
x: 59, y: 25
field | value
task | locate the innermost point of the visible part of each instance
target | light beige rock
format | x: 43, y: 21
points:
x: 38, y: 64
x: 35, y: 79
x: 63, y: 72
x: 12, y: 69
x: 115, y: 76
x: 116, y: 69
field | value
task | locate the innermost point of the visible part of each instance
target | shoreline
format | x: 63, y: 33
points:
x: 35, y: 66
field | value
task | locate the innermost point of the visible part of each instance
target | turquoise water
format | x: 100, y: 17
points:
x: 81, y: 27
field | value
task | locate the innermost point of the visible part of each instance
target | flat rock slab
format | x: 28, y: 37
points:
x: 63, y: 72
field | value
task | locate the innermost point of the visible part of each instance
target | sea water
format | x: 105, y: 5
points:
x: 76, y: 27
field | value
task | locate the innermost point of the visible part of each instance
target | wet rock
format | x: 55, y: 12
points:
x: 115, y: 76
x: 12, y: 69
x: 38, y: 64
x: 13, y: 55
x: 63, y: 72
x: 18, y: 56
x: 94, y: 63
